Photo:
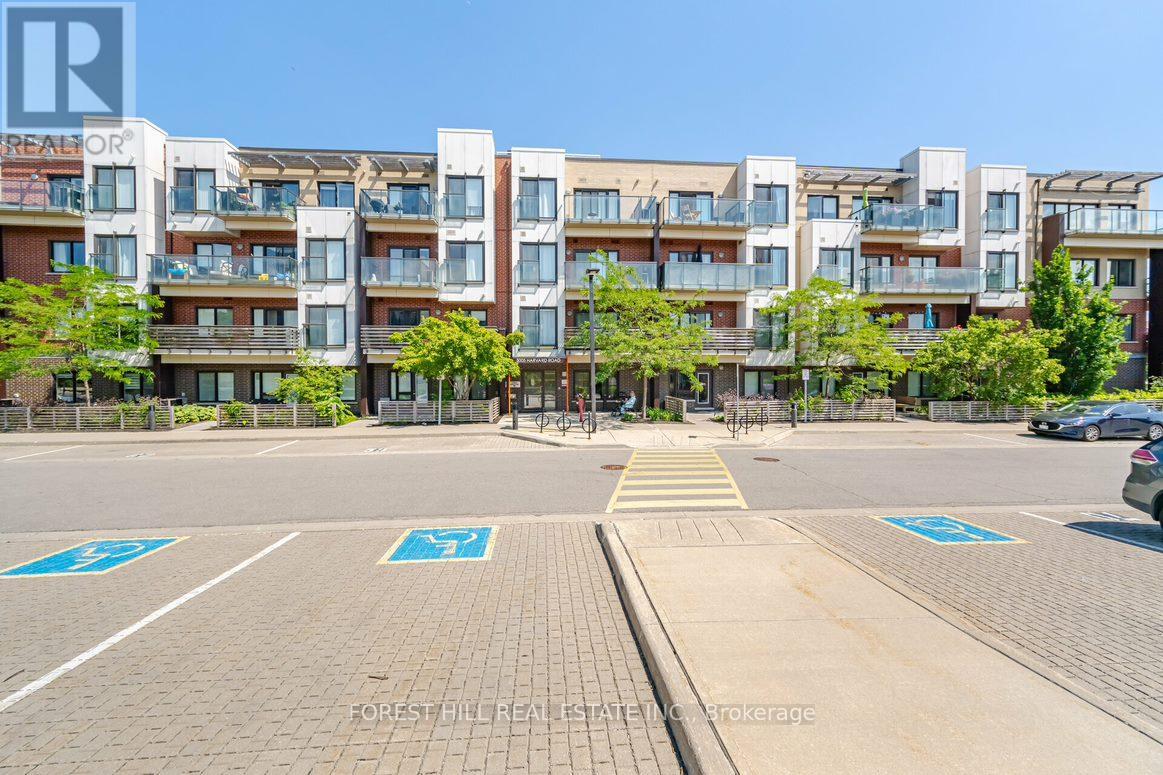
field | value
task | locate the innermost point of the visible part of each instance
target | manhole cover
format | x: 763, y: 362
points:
x: 613, y: 467
x: 767, y: 459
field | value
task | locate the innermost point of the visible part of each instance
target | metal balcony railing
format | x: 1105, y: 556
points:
x: 923, y: 280
x: 900, y: 217
x: 721, y: 340
x: 646, y: 272
x: 909, y: 340
x: 708, y: 211
x: 611, y: 209
x: 255, y: 201
x: 378, y: 272
x: 223, y: 270
x: 679, y: 276
x: 45, y: 196
x: 1109, y: 220
x: 214, y: 338
x: 398, y: 204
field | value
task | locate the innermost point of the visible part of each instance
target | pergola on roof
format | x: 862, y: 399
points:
x: 1098, y: 180
x: 298, y: 159
x: 881, y: 176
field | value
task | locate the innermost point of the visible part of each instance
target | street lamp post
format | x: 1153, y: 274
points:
x: 591, y: 274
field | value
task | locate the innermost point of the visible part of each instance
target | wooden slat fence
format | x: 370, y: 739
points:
x: 412, y: 412
x: 271, y: 416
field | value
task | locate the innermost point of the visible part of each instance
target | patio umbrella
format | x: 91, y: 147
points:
x: 929, y: 322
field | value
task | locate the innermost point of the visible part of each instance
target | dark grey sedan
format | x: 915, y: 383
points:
x: 1143, y: 488
x: 1094, y: 420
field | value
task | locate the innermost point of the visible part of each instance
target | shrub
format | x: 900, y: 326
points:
x: 662, y: 415
x: 233, y: 413
x: 190, y: 413
x: 628, y: 417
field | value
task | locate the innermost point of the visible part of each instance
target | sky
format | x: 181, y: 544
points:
x: 1051, y: 85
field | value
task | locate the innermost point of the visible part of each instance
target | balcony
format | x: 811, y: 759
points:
x: 609, y: 212
x: 377, y: 340
x: 1103, y: 227
x: 40, y: 203
x: 836, y: 273
x: 712, y: 278
x: 226, y: 340
x: 710, y: 212
x: 1000, y: 220
x: 253, y: 207
x: 646, y: 273
x: 460, y: 206
x: 899, y: 219
x: 908, y: 341
x: 121, y: 267
x: 723, y: 341
x: 921, y: 281
x: 196, y: 275
x: 408, y: 210
x: 530, y: 207
x: 400, y: 276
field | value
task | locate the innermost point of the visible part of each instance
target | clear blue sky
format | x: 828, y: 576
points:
x: 1051, y: 85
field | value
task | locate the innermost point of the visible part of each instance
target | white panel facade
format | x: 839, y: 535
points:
x: 199, y: 153
x: 982, y: 237
x: 470, y: 153
x: 937, y: 169
x: 543, y: 164
x: 330, y: 223
x: 768, y: 171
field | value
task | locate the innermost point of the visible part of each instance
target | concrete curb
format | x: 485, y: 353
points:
x: 549, y: 441
x: 179, y: 436
x: 698, y: 743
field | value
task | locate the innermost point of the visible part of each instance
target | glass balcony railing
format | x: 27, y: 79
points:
x: 1000, y: 280
x: 899, y: 217
x: 103, y: 196
x: 707, y: 277
x: 51, y: 196
x: 191, y: 199
x: 771, y: 339
x: 611, y: 209
x: 255, y: 201
x: 1001, y: 220
x: 118, y: 266
x: 764, y: 213
x: 768, y: 275
x: 645, y: 272
x: 537, y: 336
x: 462, y: 206
x: 531, y: 207
x: 404, y: 204
x: 399, y: 272
x: 223, y: 270
x: 835, y: 273
x: 1109, y: 220
x: 921, y: 279
x: 707, y: 211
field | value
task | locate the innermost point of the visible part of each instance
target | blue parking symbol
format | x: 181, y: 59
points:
x: 89, y: 558
x: 941, y: 529
x: 441, y: 545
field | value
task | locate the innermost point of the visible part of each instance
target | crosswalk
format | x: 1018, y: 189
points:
x: 676, y: 479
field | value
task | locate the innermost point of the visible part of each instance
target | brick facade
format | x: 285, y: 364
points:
x: 27, y: 251
x: 950, y: 257
x: 183, y: 310
x: 241, y: 245
x: 637, y: 249
x: 379, y: 242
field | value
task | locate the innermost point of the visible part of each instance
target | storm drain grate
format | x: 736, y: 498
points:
x: 613, y: 467
x: 767, y: 459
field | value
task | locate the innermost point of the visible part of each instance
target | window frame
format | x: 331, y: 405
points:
x: 1113, y: 266
x: 1016, y: 210
x: 257, y: 394
x: 217, y: 314
x: 115, y: 200
x: 538, y: 183
x: 1002, y: 256
x: 194, y: 173
x: 1129, y: 329
x: 781, y: 218
x: 326, y: 345
x: 541, y: 311
x: 943, y: 193
x: 217, y: 399
x: 769, y: 249
x: 537, y: 248
x: 116, y: 239
x: 1095, y: 280
x: 421, y: 316
x: 327, y: 278
x: 835, y: 203
x: 335, y: 186
x: 464, y: 179
x: 484, y: 263
x: 53, y: 263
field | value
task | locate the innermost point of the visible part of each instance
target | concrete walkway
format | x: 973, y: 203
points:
x: 699, y: 431
x: 737, y: 612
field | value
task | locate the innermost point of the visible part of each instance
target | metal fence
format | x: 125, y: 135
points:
x: 413, y: 412
x: 271, y: 416
x: 120, y: 417
x: 979, y: 411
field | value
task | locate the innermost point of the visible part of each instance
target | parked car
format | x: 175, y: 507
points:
x: 1094, y: 420
x: 1143, y: 488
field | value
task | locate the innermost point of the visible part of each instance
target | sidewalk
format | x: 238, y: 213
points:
x: 737, y: 611
x: 699, y: 431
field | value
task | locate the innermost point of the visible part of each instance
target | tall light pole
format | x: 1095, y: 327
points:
x: 591, y: 274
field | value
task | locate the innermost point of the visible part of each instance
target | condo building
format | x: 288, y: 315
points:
x: 261, y: 252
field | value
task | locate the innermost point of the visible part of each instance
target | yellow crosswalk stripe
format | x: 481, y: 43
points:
x: 679, y: 479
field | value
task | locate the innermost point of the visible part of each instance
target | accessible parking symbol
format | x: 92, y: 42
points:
x: 89, y: 558
x: 941, y: 529
x: 441, y: 545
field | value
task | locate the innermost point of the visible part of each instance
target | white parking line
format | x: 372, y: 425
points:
x: 46, y: 452
x: 277, y: 446
x: 113, y: 640
x: 1120, y: 539
x: 991, y: 438
x: 1039, y: 516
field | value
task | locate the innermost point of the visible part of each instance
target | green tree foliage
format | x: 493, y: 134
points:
x: 833, y: 328
x: 87, y: 323
x: 641, y: 330
x: 457, y: 347
x: 1089, y: 321
x: 999, y: 361
x: 319, y: 384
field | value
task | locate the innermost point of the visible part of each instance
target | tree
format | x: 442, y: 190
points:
x: 640, y: 330
x: 87, y: 324
x: 833, y: 327
x: 991, y: 360
x: 459, y: 348
x: 318, y: 383
x: 1090, y: 323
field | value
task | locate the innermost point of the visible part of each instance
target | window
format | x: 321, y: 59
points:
x: 539, y: 324
x: 821, y: 206
x: 836, y: 265
x: 694, y: 206
x: 326, y: 259
x: 687, y: 257
x: 466, y: 197
x: 607, y: 390
x: 537, y: 264
x: 65, y: 388
x: 702, y: 319
x: 598, y: 205
x: 273, y: 251
x: 947, y: 201
x: 406, y: 317
x: 858, y: 202
x: 62, y: 255
x: 759, y: 383
x: 770, y: 331
x: 275, y: 317
x: 482, y: 316
x: 193, y: 191
x: 587, y: 255
x: 1001, y: 271
x: 132, y: 389
x: 920, y: 385
x: 406, y: 386
x: 347, y: 390
x: 1002, y: 213
x: 116, y: 255
x: 265, y: 384
x: 284, y: 262
x: 215, y: 386
x: 466, y: 262
x: 772, y: 264
x: 406, y: 199
x: 408, y: 252
x: 1123, y: 272
x: 215, y: 316
x: 1088, y: 265
x: 1128, y: 328
x: 537, y: 199
x: 770, y: 205
x: 337, y: 195
x: 114, y: 189
x: 326, y: 326
x: 277, y: 187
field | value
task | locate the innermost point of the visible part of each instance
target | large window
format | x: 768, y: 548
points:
x: 597, y: 205
x: 406, y: 386
x: 760, y: 383
x: 466, y: 262
x: 265, y: 384
x: 537, y: 200
x: 466, y: 197
x: 63, y: 255
x: 1123, y: 272
x: 858, y: 202
x: 587, y: 255
x: 337, y: 195
x: 537, y: 264
x: 689, y: 257
x: 326, y: 326
x: 770, y: 331
x: 274, y: 317
x: 114, y: 189
x: 408, y: 253
x: 117, y: 255
x: 772, y: 263
x: 65, y: 388
x: 947, y: 201
x: 215, y: 387
x: 215, y: 316
x: 836, y: 265
x: 539, y: 324
x: 823, y: 206
x: 193, y: 191
x: 920, y: 385
x: 770, y: 205
x: 1001, y: 271
x: 406, y: 317
x: 1088, y: 265
x: 1003, y: 211
x: 326, y: 260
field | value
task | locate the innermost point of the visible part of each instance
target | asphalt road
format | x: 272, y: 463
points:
x: 263, y: 482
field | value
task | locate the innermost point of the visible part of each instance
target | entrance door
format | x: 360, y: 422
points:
x: 704, y: 396
x: 539, y: 390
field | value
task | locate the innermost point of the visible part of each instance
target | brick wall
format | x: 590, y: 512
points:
x: 503, y: 244
x: 380, y: 242
x: 1138, y: 308
x: 946, y: 313
x: 636, y: 249
x: 729, y: 249
x: 900, y: 254
x: 186, y: 378
x: 183, y: 310
x: 64, y: 161
x: 27, y: 253
x: 183, y: 244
